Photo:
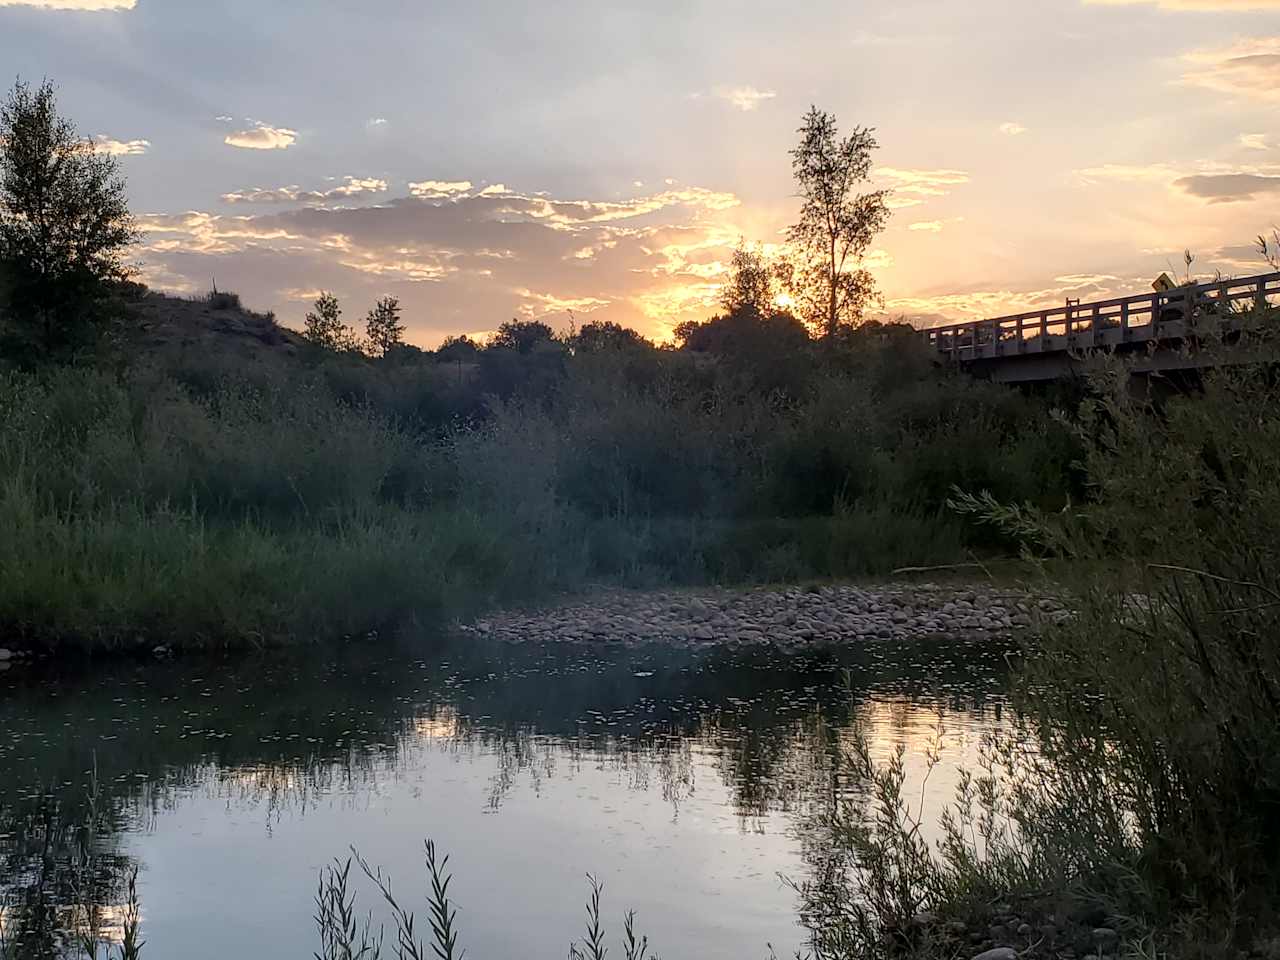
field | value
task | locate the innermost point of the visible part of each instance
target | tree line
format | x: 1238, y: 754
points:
x: 66, y: 233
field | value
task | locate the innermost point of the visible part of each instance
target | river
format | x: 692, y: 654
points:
x: 689, y: 782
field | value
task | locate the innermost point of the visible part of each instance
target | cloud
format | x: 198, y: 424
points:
x: 977, y: 304
x: 933, y: 226
x: 1128, y: 173
x: 88, y: 6
x: 911, y: 188
x: 353, y: 186
x: 1254, y: 141
x: 925, y: 182
x: 1011, y: 129
x: 439, y: 188
x: 1250, y: 68
x: 539, y: 305
x: 745, y: 99
x: 462, y: 257
x: 262, y: 136
x: 120, y: 148
x: 1229, y: 187
x: 1199, y: 5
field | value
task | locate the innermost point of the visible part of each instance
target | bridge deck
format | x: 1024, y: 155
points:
x: 1146, y: 318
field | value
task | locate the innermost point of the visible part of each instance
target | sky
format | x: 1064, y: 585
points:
x: 483, y: 161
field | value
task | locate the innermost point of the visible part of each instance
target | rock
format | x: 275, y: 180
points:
x: 789, y: 618
x: 999, y: 953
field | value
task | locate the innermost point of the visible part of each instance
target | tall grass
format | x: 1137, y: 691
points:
x: 346, y: 935
x: 181, y: 500
x: 1140, y: 801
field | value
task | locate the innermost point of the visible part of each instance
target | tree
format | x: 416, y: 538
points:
x: 601, y: 335
x: 383, y: 326
x: 461, y: 349
x: 65, y: 226
x: 825, y: 277
x: 323, y: 324
x: 752, y: 283
x: 522, y: 336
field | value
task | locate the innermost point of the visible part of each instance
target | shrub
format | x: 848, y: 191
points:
x: 223, y: 300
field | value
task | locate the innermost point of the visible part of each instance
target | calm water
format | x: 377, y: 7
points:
x: 688, y: 782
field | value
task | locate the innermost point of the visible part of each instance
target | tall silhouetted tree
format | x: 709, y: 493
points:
x: 383, y: 326
x: 323, y: 324
x: 65, y: 225
x: 826, y: 278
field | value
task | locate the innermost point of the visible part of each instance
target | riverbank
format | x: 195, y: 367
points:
x: 790, y: 618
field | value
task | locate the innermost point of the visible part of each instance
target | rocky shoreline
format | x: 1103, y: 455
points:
x: 788, y: 618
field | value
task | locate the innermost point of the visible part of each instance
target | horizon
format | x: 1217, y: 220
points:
x: 606, y: 162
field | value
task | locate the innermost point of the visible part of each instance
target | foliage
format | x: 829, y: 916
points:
x: 383, y: 328
x: 345, y: 936
x: 600, y: 335
x: 1269, y: 248
x: 461, y: 349
x: 323, y: 325
x: 825, y: 278
x: 224, y: 299
x: 752, y: 283
x: 65, y: 226
x: 341, y: 496
x: 522, y: 336
x: 1142, y: 789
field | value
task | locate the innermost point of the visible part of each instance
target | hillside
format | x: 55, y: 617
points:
x: 212, y: 326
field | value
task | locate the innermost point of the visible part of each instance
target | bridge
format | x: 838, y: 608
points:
x: 1047, y: 344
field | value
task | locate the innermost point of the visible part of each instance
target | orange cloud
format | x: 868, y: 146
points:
x: 1249, y: 68
x: 120, y: 148
x: 912, y: 187
x: 649, y: 261
x: 933, y: 226
x: 353, y: 186
x: 439, y: 188
x: 262, y: 136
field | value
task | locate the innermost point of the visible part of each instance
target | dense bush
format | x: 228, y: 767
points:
x: 1140, y: 790
x: 331, y: 492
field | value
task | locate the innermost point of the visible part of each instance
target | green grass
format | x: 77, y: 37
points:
x: 195, y: 499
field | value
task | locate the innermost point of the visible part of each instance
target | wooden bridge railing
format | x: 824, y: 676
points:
x: 1146, y: 317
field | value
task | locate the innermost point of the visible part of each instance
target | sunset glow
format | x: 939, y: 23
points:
x: 583, y: 159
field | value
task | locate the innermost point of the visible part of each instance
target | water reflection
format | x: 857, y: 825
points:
x: 688, y: 779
